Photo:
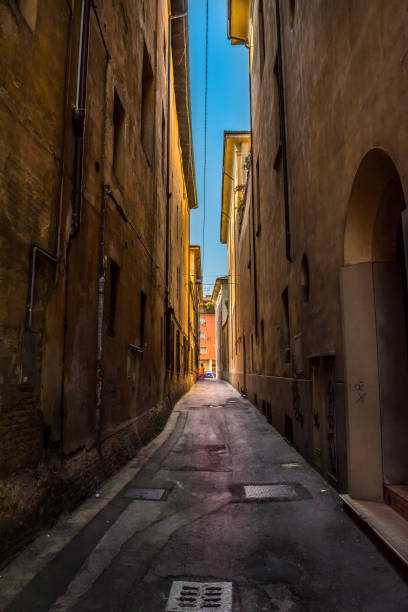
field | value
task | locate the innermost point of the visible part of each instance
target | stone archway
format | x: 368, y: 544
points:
x: 373, y: 283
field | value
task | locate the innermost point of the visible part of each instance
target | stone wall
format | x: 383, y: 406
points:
x: 342, y: 71
x: 56, y: 441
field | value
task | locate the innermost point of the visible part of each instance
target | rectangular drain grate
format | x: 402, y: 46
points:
x: 149, y: 494
x: 268, y: 492
x: 273, y: 491
x: 200, y: 597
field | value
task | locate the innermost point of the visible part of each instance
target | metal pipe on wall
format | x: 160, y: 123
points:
x: 253, y: 200
x: 167, y: 317
x: 31, y: 287
x: 79, y: 116
x: 282, y: 126
x: 52, y: 258
x: 102, y: 258
x: 168, y: 196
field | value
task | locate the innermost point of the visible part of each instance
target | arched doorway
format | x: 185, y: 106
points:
x: 374, y: 298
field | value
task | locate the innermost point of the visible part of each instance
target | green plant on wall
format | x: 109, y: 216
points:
x: 209, y: 305
x: 241, y: 208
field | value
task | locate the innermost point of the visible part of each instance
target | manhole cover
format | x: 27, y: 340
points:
x: 276, y: 491
x: 271, y: 491
x: 200, y: 597
x: 150, y: 494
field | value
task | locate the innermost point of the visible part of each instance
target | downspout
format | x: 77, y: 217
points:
x: 100, y: 336
x: 35, y: 249
x: 78, y: 118
x: 189, y: 299
x: 168, y: 196
x: 102, y: 263
x: 253, y: 199
x: 282, y: 126
x: 78, y: 122
x: 168, y: 193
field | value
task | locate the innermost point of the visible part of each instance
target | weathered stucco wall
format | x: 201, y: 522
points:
x: 343, y: 73
x: 52, y: 451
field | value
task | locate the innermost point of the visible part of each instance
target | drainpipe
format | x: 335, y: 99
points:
x: 188, y: 302
x: 35, y: 250
x: 100, y: 336
x: 78, y: 118
x: 253, y: 199
x: 102, y: 262
x: 168, y: 193
x: 282, y: 126
x: 168, y: 196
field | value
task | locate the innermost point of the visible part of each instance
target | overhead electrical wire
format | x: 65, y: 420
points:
x: 205, y: 127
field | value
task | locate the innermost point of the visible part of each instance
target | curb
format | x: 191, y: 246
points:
x: 398, y: 561
x: 16, y: 576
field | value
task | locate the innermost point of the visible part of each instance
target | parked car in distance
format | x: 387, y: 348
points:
x: 209, y: 375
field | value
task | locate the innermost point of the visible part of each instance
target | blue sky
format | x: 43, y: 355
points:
x: 228, y: 109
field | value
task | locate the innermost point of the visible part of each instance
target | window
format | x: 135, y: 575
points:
x: 278, y: 116
x: 143, y: 299
x: 202, y: 322
x: 288, y: 428
x: 147, y: 119
x: 202, y: 336
x: 178, y: 282
x: 285, y: 302
x: 304, y: 279
x: 258, y: 199
x: 178, y: 351
x: 292, y: 11
x: 261, y: 35
x: 262, y: 346
x: 164, y: 152
x: 114, y: 281
x: 164, y: 49
x: 203, y: 350
x: 28, y: 9
x: 118, y: 138
x: 171, y: 346
x: 185, y: 358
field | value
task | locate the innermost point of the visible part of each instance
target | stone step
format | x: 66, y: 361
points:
x: 396, y: 496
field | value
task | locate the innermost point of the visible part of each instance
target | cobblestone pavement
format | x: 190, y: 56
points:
x: 294, y: 551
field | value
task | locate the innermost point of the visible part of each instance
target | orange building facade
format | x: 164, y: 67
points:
x: 207, y: 339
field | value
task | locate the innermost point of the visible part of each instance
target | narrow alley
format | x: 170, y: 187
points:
x: 185, y: 511
x: 203, y: 305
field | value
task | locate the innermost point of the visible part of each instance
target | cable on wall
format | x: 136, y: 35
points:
x: 205, y: 127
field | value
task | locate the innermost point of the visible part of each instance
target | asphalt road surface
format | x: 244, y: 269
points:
x: 205, y: 521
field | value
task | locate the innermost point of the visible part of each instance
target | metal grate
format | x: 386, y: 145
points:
x: 274, y: 491
x: 149, y: 494
x: 200, y: 597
